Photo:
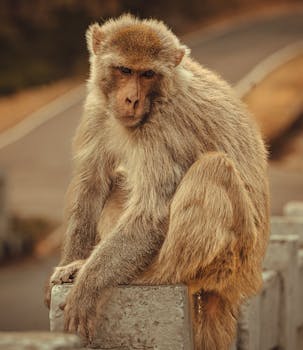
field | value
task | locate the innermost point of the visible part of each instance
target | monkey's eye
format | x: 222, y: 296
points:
x: 148, y: 74
x: 125, y: 70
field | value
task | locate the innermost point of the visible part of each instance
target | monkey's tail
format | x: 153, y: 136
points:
x: 215, y: 321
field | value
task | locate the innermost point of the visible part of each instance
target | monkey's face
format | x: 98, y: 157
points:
x: 132, y: 94
x: 133, y: 63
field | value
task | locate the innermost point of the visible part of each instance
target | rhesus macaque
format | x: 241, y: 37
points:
x: 169, y: 183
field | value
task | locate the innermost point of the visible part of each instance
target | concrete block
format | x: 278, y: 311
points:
x: 38, y: 341
x: 137, y: 317
x: 258, y: 327
x: 293, y: 208
x: 283, y: 225
x: 282, y: 256
x: 270, y: 310
x: 249, y: 325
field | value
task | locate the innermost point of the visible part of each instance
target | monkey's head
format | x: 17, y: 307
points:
x: 132, y: 62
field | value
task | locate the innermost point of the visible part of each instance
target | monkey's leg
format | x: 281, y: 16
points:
x: 211, y: 233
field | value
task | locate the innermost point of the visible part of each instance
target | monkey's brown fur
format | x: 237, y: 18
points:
x: 181, y: 197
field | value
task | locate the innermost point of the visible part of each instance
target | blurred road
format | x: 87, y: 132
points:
x: 38, y: 165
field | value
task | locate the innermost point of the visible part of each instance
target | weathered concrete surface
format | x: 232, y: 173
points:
x: 137, y: 317
x: 258, y: 327
x: 287, y: 225
x: 249, y: 325
x: 293, y: 208
x: 270, y: 300
x: 38, y: 341
x: 282, y: 256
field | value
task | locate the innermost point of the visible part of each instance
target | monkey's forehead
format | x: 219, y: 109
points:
x: 137, y: 40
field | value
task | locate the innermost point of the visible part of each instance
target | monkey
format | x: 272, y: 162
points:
x: 169, y: 183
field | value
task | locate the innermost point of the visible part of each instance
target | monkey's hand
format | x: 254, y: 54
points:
x: 80, y: 312
x: 62, y: 274
x: 66, y: 273
x: 80, y: 309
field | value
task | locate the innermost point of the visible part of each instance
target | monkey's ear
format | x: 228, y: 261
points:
x: 178, y: 56
x: 94, y: 37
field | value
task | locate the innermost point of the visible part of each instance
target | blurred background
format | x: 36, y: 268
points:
x: 256, y: 45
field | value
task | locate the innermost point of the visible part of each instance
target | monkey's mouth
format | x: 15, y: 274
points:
x: 132, y: 121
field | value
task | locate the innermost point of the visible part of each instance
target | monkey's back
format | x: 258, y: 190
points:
x: 225, y: 125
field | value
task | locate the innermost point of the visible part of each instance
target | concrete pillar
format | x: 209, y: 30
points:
x: 258, y: 327
x: 249, y: 325
x: 287, y: 225
x: 294, y: 208
x: 282, y: 256
x: 143, y: 317
x: 270, y: 303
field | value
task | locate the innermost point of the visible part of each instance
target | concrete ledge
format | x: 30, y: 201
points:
x: 287, y: 225
x: 137, y: 317
x: 249, y: 325
x: 293, y: 208
x: 38, y: 341
x: 258, y: 326
x: 282, y: 257
x: 270, y: 299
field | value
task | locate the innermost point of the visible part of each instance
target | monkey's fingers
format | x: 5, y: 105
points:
x: 73, y: 324
x: 67, y: 277
x: 82, y: 329
x: 66, y: 274
x: 71, y: 320
x: 66, y: 322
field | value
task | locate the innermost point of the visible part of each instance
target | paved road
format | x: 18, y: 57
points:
x: 38, y: 166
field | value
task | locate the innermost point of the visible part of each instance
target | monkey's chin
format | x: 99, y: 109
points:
x: 132, y: 121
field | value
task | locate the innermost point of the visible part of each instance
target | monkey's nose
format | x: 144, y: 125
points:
x: 132, y: 102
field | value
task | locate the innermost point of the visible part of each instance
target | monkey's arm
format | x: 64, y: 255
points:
x: 126, y: 252
x: 116, y: 260
x: 87, y: 192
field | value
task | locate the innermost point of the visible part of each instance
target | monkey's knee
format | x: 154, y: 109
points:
x: 213, y: 175
x: 214, y: 166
